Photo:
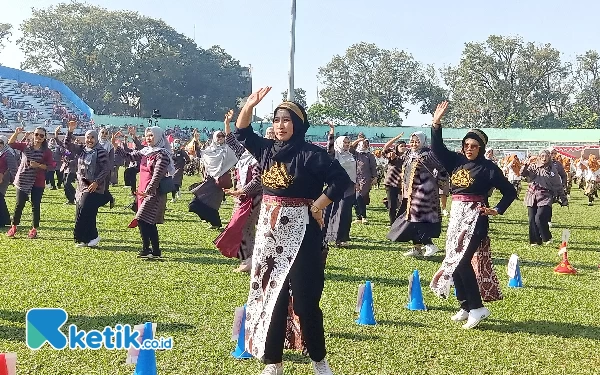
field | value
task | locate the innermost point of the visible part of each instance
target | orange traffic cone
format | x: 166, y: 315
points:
x: 564, y: 267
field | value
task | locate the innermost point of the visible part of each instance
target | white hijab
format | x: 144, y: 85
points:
x: 160, y: 143
x: 345, y: 158
x: 105, y: 143
x: 245, y: 162
x: 362, y: 148
x: 218, y: 158
x: 423, y: 140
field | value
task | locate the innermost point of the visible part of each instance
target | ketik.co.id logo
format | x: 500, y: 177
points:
x: 44, y: 324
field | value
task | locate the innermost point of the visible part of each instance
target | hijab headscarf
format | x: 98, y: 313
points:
x: 284, y: 149
x: 88, y: 157
x: 5, y: 147
x: 160, y: 144
x: 593, y: 164
x: 218, y: 158
x: 345, y: 158
x: 105, y: 143
x: 415, y: 154
x: 267, y: 131
x: 546, y: 164
x: 480, y: 137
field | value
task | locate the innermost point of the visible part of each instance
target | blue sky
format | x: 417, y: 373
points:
x: 434, y: 32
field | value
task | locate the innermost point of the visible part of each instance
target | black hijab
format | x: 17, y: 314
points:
x: 282, y: 150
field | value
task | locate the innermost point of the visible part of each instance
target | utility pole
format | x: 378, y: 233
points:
x: 292, y: 52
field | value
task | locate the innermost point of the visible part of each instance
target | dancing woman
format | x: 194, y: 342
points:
x: 8, y: 171
x: 93, y: 168
x: 419, y: 218
x: 155, y: 164
x: 289, y: 237
x: 338, y: 216
x: 237, y: 240
x: 544, y: 185
x: 591, y: 176
x: 30, y: 180
x: 366, y: 176
x: 393, y: 178
x: 472, y: 177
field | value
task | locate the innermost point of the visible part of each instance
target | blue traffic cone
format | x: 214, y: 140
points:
x: 367, y: 313
x: 516, y: 282
x: 415, y: 293
x: 146, y: 362
x: 240, y: 349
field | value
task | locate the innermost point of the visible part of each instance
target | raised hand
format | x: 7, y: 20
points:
x: 439, y: 113
x: 257, y: 96
x: 131, y: 130
x: 331, y: 125
x: 229, y: 116
x: 57, y: 131
x: 71, y: 126
x: 19, y: 130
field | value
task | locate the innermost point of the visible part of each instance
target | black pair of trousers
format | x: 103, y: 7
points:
x: 85, y: 217
x: 539, y: 217
x: 69, y: 188
x: 360, y: 207
x: 149, y: 234
x: 465, y: 281
x: 174, y: 192
x: 36, y: 202
x: 392, y: 198
x: 307, y: 279
x: 4, y: 214
x: 50, y: 178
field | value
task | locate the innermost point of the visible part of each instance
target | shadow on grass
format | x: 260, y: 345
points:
x: 399, y: 324
x: 354, y: 336
x: 295, y: 357
x: 88, y: 323
x: 546, y: 328
x: 361, y: 279
x: 551, y: 265
x: 205, y: 260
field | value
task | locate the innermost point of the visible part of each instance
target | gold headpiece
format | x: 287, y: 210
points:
x: 294, y: 108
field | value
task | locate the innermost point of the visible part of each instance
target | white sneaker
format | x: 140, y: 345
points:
x: 273, y: 369
x: 322, y: 367
x: 461, y: 315
x: 94, y: 242
x: 81, y: 244
x: 430, y: 250
x: 549, y: 224
x: 476, y: 316
x: 414, y: 252
x: 445, y: 213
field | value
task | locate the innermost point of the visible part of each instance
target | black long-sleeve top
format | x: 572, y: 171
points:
x: 472, y: 177
x: 301, y: 175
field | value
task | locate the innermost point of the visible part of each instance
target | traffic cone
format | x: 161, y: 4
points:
x: 514, y: 272
x: 146, y: 361
x: 240, y: 349
x: 367, y: 313
x: 8, y: 363
x: 415, y: 294
x: 564, y: 267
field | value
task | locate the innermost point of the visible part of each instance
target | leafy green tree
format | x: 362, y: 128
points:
x: 587, y: 78
x: 370, y: 85
x: 5, y: 33
x: 505, y: 82
x: 299, y: 96
x: 318, y: 113
x: 124, y: 63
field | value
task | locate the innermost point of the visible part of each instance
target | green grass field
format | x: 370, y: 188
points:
x: 551, y: 326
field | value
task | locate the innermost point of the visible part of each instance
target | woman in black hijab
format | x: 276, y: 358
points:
x: 287, y: 253
x: 472, y: 177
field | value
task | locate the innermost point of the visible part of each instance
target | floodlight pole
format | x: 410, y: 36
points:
x: 292, y: 52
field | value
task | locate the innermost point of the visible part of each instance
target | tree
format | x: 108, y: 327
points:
x: 5, y: 33
x: 299, y: 96
x: 506, y: 83
x: 587, y: 78
x: 122, y: 62
x: 319, y: 113
x: 428, y: 92
x: 370, y: 85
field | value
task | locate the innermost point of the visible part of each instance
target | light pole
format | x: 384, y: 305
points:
x: 292, y: 52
